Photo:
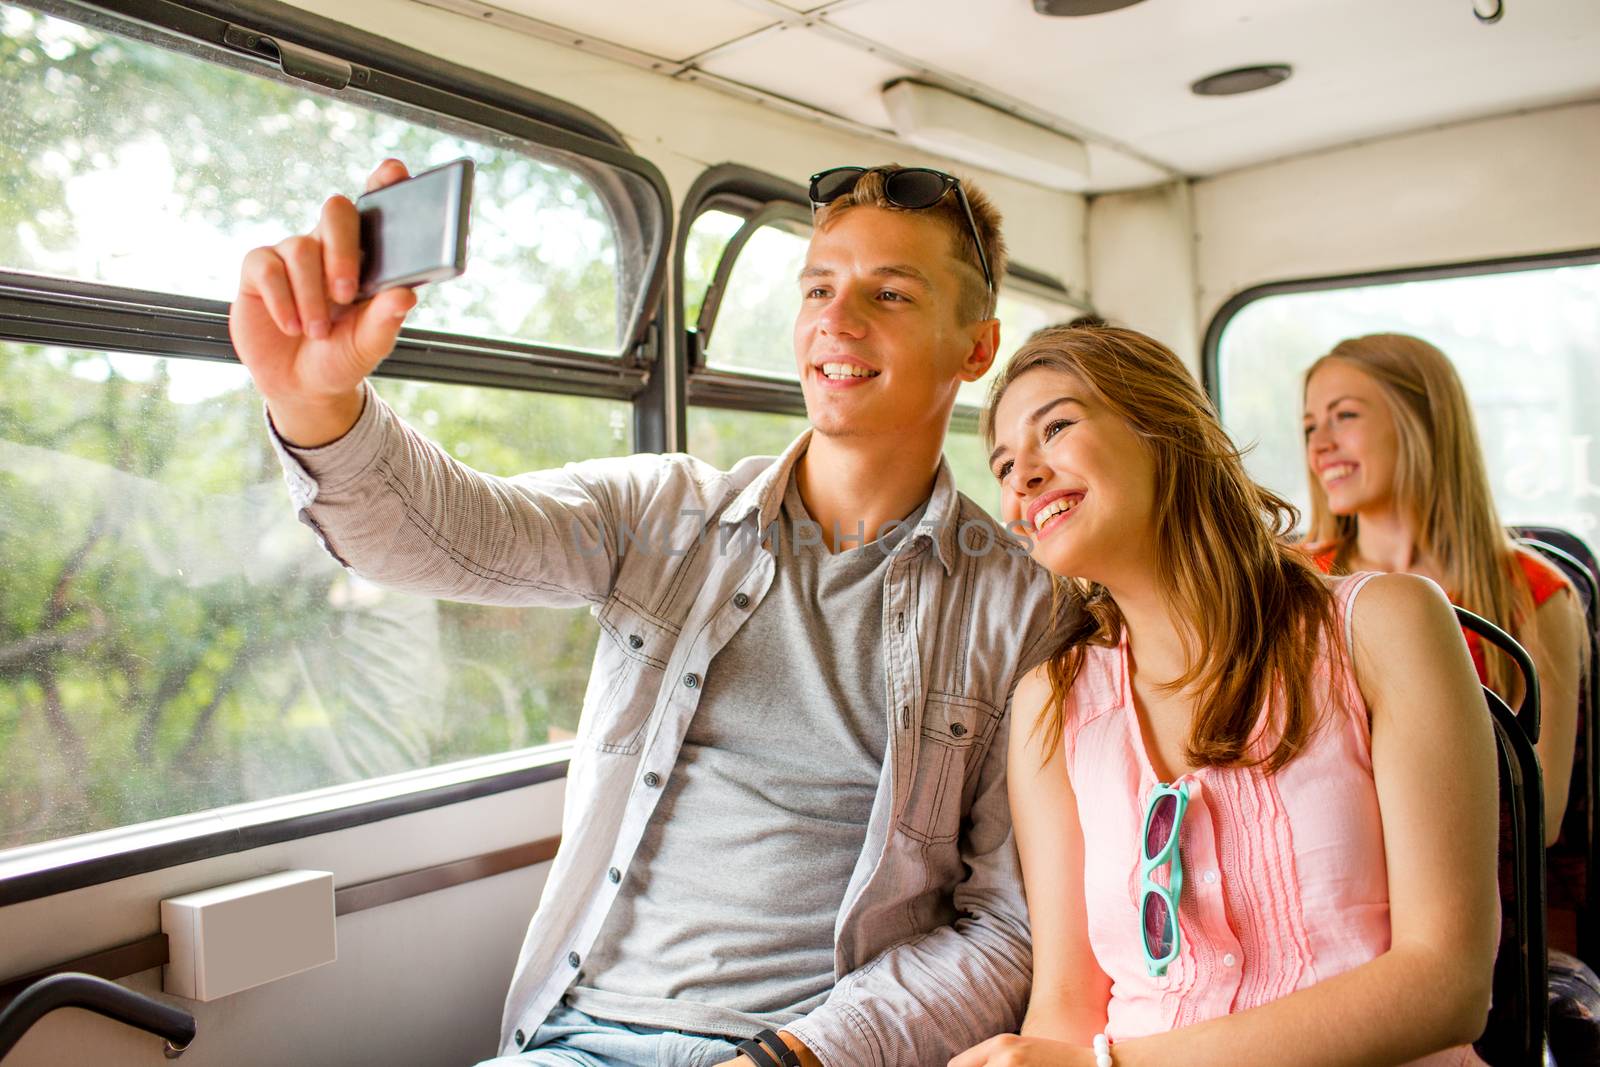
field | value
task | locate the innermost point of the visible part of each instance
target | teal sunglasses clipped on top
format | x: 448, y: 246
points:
x: 1158, y: 904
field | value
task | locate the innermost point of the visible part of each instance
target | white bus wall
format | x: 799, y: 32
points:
x: 684, y: 128
x: 1513, y: 185
x: 1141, y: 265
x: 418, y: 983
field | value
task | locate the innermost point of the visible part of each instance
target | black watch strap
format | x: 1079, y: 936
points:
x: 786, y: 1055
x: 758, y: 1054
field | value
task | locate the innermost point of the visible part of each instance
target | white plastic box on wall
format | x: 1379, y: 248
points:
x: 235, y: 937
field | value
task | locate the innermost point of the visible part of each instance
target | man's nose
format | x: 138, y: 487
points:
x: 842, y: 317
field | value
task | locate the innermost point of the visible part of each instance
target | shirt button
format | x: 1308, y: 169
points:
x: 520, y: 1038
x: 615, y: 875
x: 740, y: 600
x: 652, y: 779
x: 573, y: 959
x: 635, y: 641
x: 691, y: 681
x: 1211, y: 877
x: 1227, y: 961
x: 957, y: 730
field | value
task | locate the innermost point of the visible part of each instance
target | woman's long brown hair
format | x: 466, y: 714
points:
x: 1257, y: 613
x: 1440, y: 483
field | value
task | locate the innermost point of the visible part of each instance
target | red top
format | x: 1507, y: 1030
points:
x: 1544, y: 582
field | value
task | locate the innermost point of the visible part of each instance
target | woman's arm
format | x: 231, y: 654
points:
x: 1557, y: 648
x: 1434, y: 762
x: 1070, y: 992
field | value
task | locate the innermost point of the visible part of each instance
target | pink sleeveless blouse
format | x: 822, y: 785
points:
x: 1285, y: 882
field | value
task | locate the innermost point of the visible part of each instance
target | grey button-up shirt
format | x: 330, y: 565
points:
x: 931, y: 945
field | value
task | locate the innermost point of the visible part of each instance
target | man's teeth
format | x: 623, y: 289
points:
x: 1339, y: 471
x: 1054, y: 508
x: 841, y: 371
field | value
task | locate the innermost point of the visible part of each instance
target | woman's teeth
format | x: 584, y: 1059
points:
x: 1334, y: 473
x: 840, y: 371
x: 1054, y: 508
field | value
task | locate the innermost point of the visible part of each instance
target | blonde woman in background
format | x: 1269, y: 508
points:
x: 1398, y: 483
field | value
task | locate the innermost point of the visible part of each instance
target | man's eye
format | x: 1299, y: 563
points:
x: 816, y: 292
x: 1305, y: 431
x: 891, y: 295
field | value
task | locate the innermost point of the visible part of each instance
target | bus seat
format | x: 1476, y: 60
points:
x: 1518, y: 1019
x: 1578, y: 831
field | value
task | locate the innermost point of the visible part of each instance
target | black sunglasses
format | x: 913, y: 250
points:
x: 913, y: 188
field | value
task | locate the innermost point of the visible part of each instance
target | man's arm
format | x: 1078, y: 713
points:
x: 397, y: 509
x: 385, y: 501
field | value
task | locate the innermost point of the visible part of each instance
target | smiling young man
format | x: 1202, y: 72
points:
x: 786, y: 814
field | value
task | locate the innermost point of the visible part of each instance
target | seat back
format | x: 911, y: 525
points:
x: 1578, y: 828
x: 1519, y: 1018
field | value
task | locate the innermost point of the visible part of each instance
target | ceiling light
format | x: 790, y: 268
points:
x: 1072, y: 8
x: 960, y: 128
x: 1242, y: 80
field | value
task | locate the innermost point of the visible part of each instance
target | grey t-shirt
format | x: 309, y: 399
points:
x: 725, y: 921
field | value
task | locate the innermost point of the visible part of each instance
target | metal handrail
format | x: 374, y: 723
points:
x: 72, y: 990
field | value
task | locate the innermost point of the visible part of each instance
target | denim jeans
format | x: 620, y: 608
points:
x: 569, y: 1038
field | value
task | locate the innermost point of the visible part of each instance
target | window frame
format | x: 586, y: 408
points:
x: 1211, y: 349
x: 75, y: 313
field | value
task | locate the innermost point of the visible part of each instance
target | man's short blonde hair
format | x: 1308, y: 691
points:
x: 976, y: 303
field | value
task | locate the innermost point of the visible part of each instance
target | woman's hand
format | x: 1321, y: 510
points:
x: 1013, y: 1050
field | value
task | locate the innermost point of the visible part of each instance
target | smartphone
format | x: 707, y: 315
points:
x: 414, y: 232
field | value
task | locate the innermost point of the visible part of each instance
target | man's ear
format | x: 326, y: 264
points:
x: 985, y: 338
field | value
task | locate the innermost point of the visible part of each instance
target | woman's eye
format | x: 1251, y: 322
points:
x: 1055, y: 427
x: 812, y: 294
x: 1002, y: 471
x: 1305, y: 431
x: 1344, y: 416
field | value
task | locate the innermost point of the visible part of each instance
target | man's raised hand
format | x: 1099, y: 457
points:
x: 296, y: 328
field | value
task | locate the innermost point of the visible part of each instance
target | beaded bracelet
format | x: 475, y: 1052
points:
x: 1102, y: 1051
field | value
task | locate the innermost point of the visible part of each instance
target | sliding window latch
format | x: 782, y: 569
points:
x: 318, y: 68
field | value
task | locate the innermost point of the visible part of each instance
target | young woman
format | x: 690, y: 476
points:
x: 1398, y: 484
x: 1255, y: 806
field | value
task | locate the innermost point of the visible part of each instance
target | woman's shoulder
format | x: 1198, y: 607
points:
x: 1095, y: 690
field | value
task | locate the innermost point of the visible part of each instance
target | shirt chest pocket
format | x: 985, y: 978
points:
x: 630, y: 661
x: 956, y: 732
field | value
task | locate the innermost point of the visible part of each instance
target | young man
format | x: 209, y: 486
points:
x: 786, y: 805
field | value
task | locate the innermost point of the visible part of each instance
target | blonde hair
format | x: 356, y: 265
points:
x: 1440, y: 483
x: 1256, y: 610
x: 977, y: 302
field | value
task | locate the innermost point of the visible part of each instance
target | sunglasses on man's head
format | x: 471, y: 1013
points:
x: 913, y: 188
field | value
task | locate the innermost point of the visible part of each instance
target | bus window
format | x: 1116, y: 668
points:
x: 1524, y: 343
x: 216, y: 161
x: 708, y: 238
x: 723, y: 436
x: 171, y: 639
